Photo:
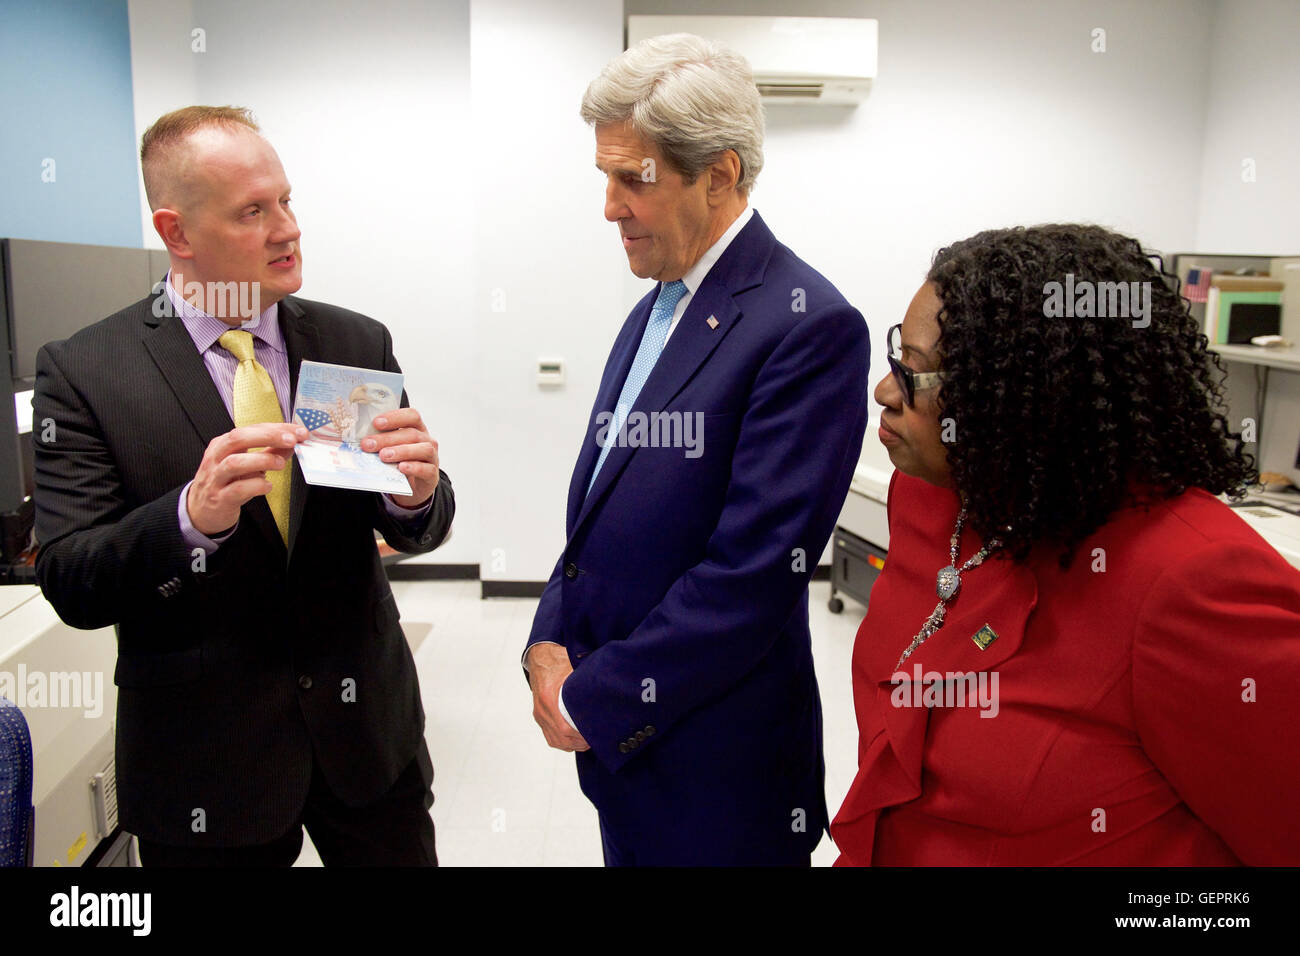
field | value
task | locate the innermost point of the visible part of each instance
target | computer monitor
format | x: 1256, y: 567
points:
x: 53, y: 289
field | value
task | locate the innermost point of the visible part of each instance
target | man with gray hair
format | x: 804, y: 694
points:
x: 671, y: 648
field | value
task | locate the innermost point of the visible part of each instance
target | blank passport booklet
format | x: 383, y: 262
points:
x: 338, y: 405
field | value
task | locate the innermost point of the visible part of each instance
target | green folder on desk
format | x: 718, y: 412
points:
x: 1227, y: 291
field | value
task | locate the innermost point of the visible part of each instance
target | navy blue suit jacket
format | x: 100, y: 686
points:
x: 682, y: 593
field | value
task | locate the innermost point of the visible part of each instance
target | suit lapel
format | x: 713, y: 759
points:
x: 696, y: 338
x: 622, y: 364
x: 182, y: 366
x: 180, y: 363
x: 301, y: 342
x: 999, y: 594
x: 692, y: 342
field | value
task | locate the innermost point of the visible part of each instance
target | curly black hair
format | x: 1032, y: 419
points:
x: 1061, y: 419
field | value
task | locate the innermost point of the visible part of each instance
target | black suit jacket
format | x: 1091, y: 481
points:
x: 233, y: 667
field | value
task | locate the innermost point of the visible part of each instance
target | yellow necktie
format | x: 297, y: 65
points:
x: 256, y: 402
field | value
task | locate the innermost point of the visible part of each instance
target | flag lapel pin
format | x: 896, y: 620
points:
x: 713, y: 322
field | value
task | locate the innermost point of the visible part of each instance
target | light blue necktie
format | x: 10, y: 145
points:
x: 652, y: 343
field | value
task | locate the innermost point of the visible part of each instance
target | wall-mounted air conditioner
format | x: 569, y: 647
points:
x: 795, y: 59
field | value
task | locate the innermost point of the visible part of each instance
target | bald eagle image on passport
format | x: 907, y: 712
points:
x: 338, y: 404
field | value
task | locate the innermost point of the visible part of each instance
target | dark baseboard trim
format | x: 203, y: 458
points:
x: 515, y: 589
x: 404, y: 571
x: 532, y: 589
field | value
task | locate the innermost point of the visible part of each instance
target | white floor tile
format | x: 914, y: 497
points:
x: 502, y: 797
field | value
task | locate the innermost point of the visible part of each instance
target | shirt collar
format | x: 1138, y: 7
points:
x: 205, y: 329
x: 695, y: 277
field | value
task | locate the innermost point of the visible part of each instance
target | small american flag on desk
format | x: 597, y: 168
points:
x: 319, y: 423
x: 1197, y: 288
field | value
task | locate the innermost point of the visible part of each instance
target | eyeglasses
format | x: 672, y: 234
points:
x: 908, y: 381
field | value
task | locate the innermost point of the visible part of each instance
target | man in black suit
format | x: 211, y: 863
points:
x: 264, y: 681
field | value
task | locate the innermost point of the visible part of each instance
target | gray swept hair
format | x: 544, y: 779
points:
x: 693, y: 98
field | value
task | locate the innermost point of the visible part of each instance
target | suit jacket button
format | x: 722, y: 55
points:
x: 623, y: 748
x: 649, y: 730
x: 632, y: 743
x: 640, y: 736
x: 162, y: 589
x: 304, y: 682
x: 570, y: 571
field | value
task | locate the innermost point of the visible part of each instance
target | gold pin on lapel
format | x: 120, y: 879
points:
x: 984, y: 637
x: 713, y: 322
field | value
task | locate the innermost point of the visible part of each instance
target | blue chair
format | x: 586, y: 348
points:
x: 17, y: 816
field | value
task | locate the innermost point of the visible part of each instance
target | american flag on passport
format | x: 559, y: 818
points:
x: 1197, y: 288
x: 320, y: 424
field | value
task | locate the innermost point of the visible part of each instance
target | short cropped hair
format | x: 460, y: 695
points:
x: 693, y: 98
x: 161, y: 139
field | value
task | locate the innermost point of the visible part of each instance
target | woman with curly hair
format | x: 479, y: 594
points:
x: 1076, y: 654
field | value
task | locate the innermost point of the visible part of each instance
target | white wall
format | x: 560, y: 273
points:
x: 1251, y: 114
x: 546, y: 258
x: 164, y: 74
x: 1252, y: 108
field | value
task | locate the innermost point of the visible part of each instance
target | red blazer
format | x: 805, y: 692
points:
x: 1146, y: 714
